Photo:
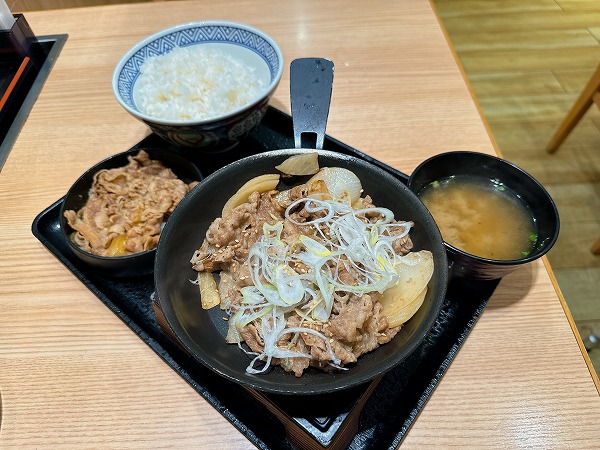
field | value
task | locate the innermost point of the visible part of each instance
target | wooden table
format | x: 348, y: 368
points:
x: 73, y: 375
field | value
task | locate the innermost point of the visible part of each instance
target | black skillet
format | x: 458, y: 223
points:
x: 203, y: 332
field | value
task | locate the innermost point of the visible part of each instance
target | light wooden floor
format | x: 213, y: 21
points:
x: 527, y: 61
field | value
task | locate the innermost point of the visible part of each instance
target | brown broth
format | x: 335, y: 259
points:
x: 480, y: 217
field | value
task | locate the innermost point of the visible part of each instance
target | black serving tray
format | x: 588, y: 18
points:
x: 373, y: 416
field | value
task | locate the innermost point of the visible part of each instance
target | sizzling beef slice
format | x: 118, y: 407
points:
x: 356, y: 324
x: 126, y: 207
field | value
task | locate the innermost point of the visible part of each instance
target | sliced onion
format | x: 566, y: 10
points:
x: 261, y: 183
x: 414, y: 272
x: 402, y: 315
x: 303, y: 164
x: 342, y: 184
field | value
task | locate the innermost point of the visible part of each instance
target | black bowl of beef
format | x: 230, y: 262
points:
x: 202, y: 332
x: 134, y: 264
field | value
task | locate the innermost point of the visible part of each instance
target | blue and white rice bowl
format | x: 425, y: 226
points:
x: 252, y: 47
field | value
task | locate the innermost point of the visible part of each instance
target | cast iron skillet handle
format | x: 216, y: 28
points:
x: 311, y: 81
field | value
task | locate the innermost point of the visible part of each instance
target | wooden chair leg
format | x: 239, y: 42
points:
x: 596, y: 247
x: 582, y: 104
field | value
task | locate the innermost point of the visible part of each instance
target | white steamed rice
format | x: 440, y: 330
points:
x: 195, y: 82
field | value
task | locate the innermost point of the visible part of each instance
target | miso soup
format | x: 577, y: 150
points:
x: 480, y: 217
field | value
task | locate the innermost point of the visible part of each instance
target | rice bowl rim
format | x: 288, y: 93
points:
x: 266, y: 92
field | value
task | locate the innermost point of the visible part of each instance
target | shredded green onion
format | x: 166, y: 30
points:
x: 344, y: 240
